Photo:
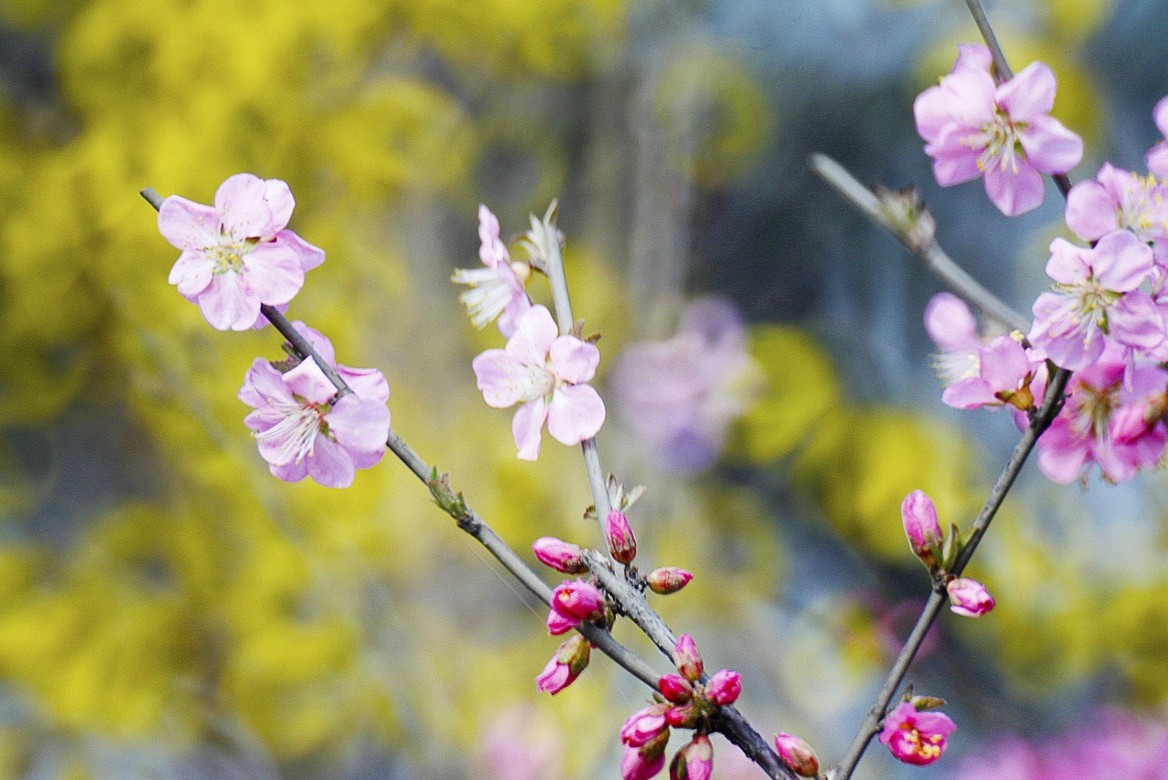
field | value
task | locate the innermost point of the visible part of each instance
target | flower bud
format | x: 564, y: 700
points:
x: 797, y: 754
x: 687, y: 658
x: 684, y: 716
x: 695, y: 761
x: 668, y: 580
x: 578, y: 600
x: 565, y: 666
x: 724, y: 687
x: 621, y: 542
x: 969, y: 597
x: 644, y: 726
x: 642, y: 763
x: 559, y: 555
x: 922, y: 529
x: 675, y: 688
x: 558, y: 624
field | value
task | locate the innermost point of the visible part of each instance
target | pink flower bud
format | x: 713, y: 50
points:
x: 724, y: 687
x: 565, y: 666
x: 668, y: 580
x: 644, y: 762
x: 916, y: 737
x: 558, y: 624
x: 644, y: 726
x: 921, y: 527
x: 687, y: 658
x: 969, y: 597
x: 684, y: 716
x: 621, y: 542
x: 797, y: 754
x: 559, y: 555
x: 695, y: 761
x: 675, y: 688
x: 578, y: 600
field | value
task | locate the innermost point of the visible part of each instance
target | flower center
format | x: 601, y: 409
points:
x: 295, y: 435
x: 228, y: 255
x: 1000, y: 140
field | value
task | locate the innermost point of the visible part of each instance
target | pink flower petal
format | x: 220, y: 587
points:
x: 330, y: 464
x: 308, y: 255
x: 368, y: 383
x: 1090, y: 210
x: 280, y: 202
x: 527, y: 428
x: 1030, y: 94
x: 971, y: 393
x: 505, y: 380
x: 273, y: 273
x: 576, y: 414
x: 573, y: 360
x: 228, y: 304
x: 240, y: 199
x: 318, y: 340
x: 310, y: 383
x: 1120, y: 261
x: 1160, y: 115
x: 360, y: 426
x: 950, y: 323
x: 1014, y: 193
x: 1050, y: 147
x: 187, y: 225
x: 534, y: 337
x: 191, y: 273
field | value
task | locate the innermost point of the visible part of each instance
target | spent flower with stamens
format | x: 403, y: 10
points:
x: 302, y: 429
x: 497, y: 290
x: 974, y: 127
x: 237, y: 254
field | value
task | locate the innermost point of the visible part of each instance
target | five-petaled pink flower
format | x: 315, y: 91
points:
x: 545, y: 372
x: 303, y: 430
x: 916, y: 737
x: 237, y: 254
x: 974, y: 127
x: 496, y: 291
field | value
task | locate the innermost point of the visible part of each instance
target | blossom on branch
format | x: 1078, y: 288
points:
x: 974, y: 127
x: 695, y: 760
x: 565, y: 666
x: 546, y: 373
x: 969, y: 597
x: 237, y: 254
x: 916, y: 737
x: 302, y: 429
x: 496, y: 290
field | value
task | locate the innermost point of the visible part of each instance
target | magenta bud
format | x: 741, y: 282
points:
x: 675, y: 688
x: 724, y: 687
x: 621, y: 542
x: 687, y: 658
x: 578, y: 600
x: 558, y: 624
x: 644, y: 762
x: 668, y: 580
x: 922, y: 529
x: 683, y: 716
x: 565, y: 666
x: 695, y: 761
x: 969, y: 597
x: 644, y: 726
x: 559, y: 555
x: 797, y: 754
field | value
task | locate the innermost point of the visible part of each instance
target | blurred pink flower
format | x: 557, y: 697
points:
x: 973, y: 127
x: 916, y: 737
x: 519, y: 745
x: 497, y: 290
x: 545, y: 372
x: 1157, y: 158
x: 680, y: 396
x: 1118, y: 200
x: 237, y: 254
x: 301, y: 431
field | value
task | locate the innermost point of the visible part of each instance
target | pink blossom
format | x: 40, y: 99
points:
x: 968, y: 597
x: 637, y: 765
x: 237, y: 254
x: 559, y: 555
x: 497, y: 290
x: 724, y: 687
x: 621, y: 542
x: 545, y: 373
x: 565, y: 666
x: 916, y: 737
x: 668, y: 579
x: 695, y: 760
x: 687, y: 658
x: 577, y: 600
x: 1097, y: 293
x: 1005, y: 370
x: 951, y: 326
x: 680, y: 396
x: 1158, y: 155
x: 1119, y: 200
x: 644, y: 725
x: 797, y: 754
x: 973, y: 127
x: 557, y: 624
x: 919, y: 517
x: 521, y: 745
x: 299, y: 427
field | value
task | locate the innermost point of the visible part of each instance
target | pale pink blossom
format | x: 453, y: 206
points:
x: 237, y: 254
x: 973, y: 127
x: 968, y: 597
x: 302, y: 429
x: 681, y: 395
x: 546, y: 373
x: 1097, y: 294
x: 695, y: 760
x: 519, y: 744
x: 565, y: 666
x: 1119, y: 200
x: 797, y: 754
x: 951, y: 326
x: 1005, y: 370
x: 1157, y: 158
x: 916, y: 737
x: 496, y: 290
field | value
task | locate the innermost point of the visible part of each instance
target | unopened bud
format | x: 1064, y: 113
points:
x: 695, y: 761
x: 687, y: 658
x: 559, y: 555
x: 969, y: 597
x: 621, y: 542
x: 921, y: 527
x: 669, y: 579
x: 675, y: 688
x: 797, y: 754
x: 724, y: 687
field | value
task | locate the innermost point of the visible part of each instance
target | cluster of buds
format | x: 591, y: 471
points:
x: 938, y: 551
x: 684, y: 702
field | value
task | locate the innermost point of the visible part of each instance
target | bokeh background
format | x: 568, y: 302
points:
x: 169, y: 610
